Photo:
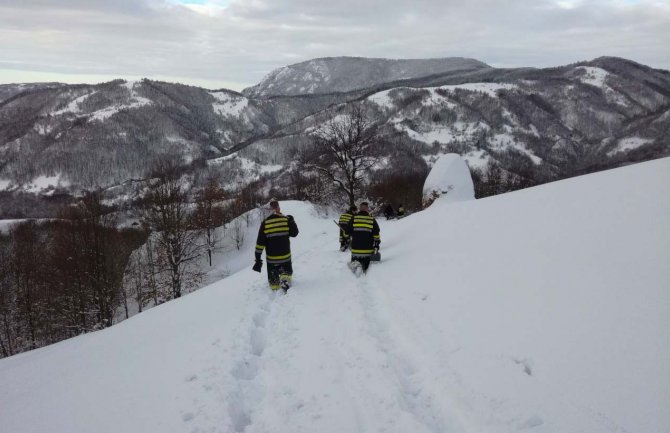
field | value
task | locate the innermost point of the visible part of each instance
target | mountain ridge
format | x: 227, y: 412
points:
x: 342, y: 74
x: 540, y: 124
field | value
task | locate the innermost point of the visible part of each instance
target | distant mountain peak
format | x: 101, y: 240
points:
x: 344, y: 74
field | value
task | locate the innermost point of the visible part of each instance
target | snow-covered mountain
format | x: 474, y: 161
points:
x: 539, y: 124
x: 344, y: 74
x: 59, y: 139
x: 7, y: 91
x: 542, y: 310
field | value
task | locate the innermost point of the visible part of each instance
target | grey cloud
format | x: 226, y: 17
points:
x: 129, y: 7
x: 251, y: 37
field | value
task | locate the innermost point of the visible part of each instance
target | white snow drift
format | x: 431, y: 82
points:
x: 543, y: 310
x: 449, y: 178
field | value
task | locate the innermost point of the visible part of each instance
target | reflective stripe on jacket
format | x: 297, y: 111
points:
x: 273, y: 237
x: 345, y: 219
x: 364, y: 231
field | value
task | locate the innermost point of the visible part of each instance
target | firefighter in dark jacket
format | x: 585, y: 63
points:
x: 273, y: 237
x: 345, y: 219
x: 365, y: 239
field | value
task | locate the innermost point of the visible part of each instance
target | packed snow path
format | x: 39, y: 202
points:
x: 328, y: 357
x: 545, y: 310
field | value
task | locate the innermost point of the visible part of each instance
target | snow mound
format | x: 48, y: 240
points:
x: 450, y: 179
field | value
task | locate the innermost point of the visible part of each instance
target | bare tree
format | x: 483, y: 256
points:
x: 7, y: 300
x: 106, y: 266
x: 150, y: 265
x: 136, y: 284
x: 26, y: 264
x: 142, y: 277
x: 209, y: 214
x: 344, y: 149
x: 177, y: 237
x: 238, y: 230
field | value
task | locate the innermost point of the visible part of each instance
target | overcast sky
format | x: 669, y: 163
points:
x: 234, y: 43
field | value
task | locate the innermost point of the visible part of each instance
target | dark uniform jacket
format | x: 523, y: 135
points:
x: 273, y: 237
x: 345, y: 219
x: 364, y: 231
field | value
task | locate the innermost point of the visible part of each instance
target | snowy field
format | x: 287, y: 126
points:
x: 544, y: 310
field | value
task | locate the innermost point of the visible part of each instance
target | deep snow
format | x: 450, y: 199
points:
x: 545, y: 310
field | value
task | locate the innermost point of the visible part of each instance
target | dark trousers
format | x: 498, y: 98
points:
x: 364, y: 261
x: 277, y: 269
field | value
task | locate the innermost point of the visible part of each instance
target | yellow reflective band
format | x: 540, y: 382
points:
x: 277, y: 230
x: 277, y: 227
x: 276, y: 224
x: 376, y: 237
x: 281, y: 226
x: 363, y: 217
x: 274, y: 286
x: 286, y: 256
x: 362, y: 251
x: 367, y: 226
x: 260, y: 247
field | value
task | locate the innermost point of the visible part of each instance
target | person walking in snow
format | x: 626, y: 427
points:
x: 388, y: 211
x: 365, y: 238
x: 273, y: 237
x: 401, y: 211
x: 345, y: 218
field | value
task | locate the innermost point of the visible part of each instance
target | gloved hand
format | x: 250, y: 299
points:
x: 376, y: 245
x: 258, y: 265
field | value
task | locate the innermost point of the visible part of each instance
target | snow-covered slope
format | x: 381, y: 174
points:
x: 544, y: 310
x: 343, y: 74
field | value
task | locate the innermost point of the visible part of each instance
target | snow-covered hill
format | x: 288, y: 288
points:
x: 7, y: 91
x: 344, y: 74
x: 538, y: 124
x: 91, y: 136
x: 543, y: 310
